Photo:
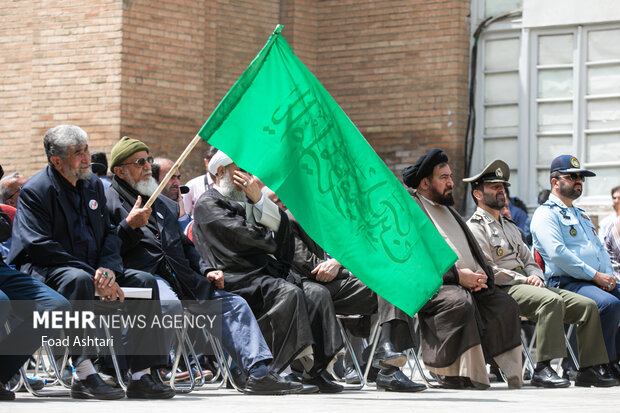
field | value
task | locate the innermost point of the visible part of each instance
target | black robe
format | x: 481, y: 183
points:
x: 350, y: 295
x: 257, y: 266
x: 455, y: 320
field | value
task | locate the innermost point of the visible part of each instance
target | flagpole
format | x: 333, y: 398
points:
x: 176, y: 165
x: 184, y: 155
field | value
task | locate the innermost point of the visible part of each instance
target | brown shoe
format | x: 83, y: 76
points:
x: 450, y: 382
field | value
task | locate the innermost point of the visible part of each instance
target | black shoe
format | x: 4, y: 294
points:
x: 450, y: 382
x: 94, y: 388
x: 495, y: 376
x: 238, y: 376
x: 386, y: 356
x: 306, y: 388
x: 351, y: 376
x: 614, y: 369
x: 324, y: 384
x: 35, y: 384
x: 548, y: 378
x: 147, y: 388
x: 271, y: 384
x: 595, y: 376
x: 570, y: 374
x: 397, y: 381
x: 6, y: 394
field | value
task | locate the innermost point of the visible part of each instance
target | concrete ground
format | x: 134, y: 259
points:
x: 496, y: 399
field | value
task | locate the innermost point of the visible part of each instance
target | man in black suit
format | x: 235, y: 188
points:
x: 62, y: 235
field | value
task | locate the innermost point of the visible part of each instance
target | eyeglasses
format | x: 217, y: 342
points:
x: 574, y: 177
x: 140, y: 162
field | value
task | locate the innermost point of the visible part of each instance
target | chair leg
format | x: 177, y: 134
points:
x: 223, y: 364
x: 528, y: 356
x: 418, y: 365
x: 349, y: 348
x: 117, y: 370
x: 181, y: 351
x: 56, y: 371
x: 374, y: 340
x: 569, y: 347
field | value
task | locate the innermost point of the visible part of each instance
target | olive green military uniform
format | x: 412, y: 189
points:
x: 550, y: 308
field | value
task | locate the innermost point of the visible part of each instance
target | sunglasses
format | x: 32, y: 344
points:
x: 574, y: 177
x: 140, y: 162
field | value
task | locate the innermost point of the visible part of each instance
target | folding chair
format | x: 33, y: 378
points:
x: 23, y: 380
x: 416, y: 358
x: 374, y: 335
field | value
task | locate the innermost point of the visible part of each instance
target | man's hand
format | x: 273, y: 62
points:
x: 138, y: 217
x: 104, y: 278
x: 473, y: 281
x: 111, y: 293
x: 535, y: 281
x: 604, y: 281
x: 327, y: 270
x: 217, y: 278
x: 248, y: 184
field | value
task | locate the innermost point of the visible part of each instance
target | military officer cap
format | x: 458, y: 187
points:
x: 568, y: 164
x: 496, y: 171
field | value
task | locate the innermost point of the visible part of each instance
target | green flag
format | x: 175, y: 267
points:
x: 279, y: 123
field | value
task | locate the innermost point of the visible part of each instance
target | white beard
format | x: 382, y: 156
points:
x: 230, y: 190
x: 145, y: 187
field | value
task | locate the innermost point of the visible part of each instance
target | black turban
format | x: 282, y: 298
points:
x: 423, y: 167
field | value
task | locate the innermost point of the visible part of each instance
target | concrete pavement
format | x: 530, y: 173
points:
x: 496, y: 399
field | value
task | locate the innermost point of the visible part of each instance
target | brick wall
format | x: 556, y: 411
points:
x: 60, y: 63
x: 156, y: 69
x: 399, y: 70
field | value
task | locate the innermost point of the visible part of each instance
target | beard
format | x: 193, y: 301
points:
x: 145, y: 187
x: 494, y: 202
x: 444, y: 198
x: 76, y: 173
x: 569, y: 190
x: 230, y: 190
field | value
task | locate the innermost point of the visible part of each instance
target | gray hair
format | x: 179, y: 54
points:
x: 59, y: 139
x: 5, y: 185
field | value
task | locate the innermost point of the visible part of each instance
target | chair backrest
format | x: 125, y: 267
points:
x: 189, y: 231
x: 539, y: 260
x: 9, y: 210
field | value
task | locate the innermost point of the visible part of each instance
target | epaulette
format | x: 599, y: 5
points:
x: 476, y: 218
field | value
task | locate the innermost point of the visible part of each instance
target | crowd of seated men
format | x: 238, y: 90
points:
x: 72, y: 236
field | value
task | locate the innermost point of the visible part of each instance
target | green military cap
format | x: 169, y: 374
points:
x: 496, y: 171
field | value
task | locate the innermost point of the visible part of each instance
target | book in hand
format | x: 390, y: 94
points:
x: 135, y: 292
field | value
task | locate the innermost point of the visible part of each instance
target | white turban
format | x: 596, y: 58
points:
x: 219, y: 159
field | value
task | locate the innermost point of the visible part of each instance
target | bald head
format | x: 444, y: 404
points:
x: 10, y: 187
x: 171, y: 190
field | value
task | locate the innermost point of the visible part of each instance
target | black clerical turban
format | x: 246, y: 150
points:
x: 423, y: 167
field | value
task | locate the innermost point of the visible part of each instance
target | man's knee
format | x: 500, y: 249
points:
x: 289, y: 291
x: 552, y: 303
x: 317, y: 293
x: 78, y: 284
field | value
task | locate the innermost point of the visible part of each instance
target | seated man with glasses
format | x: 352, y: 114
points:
x: 574, y: 257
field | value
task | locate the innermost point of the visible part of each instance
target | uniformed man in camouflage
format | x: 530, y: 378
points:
x: 517, y: 273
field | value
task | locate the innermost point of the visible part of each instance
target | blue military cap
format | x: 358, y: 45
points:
x: 570, y: 165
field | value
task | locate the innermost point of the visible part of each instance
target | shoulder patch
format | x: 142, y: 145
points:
x: 475, y: 218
